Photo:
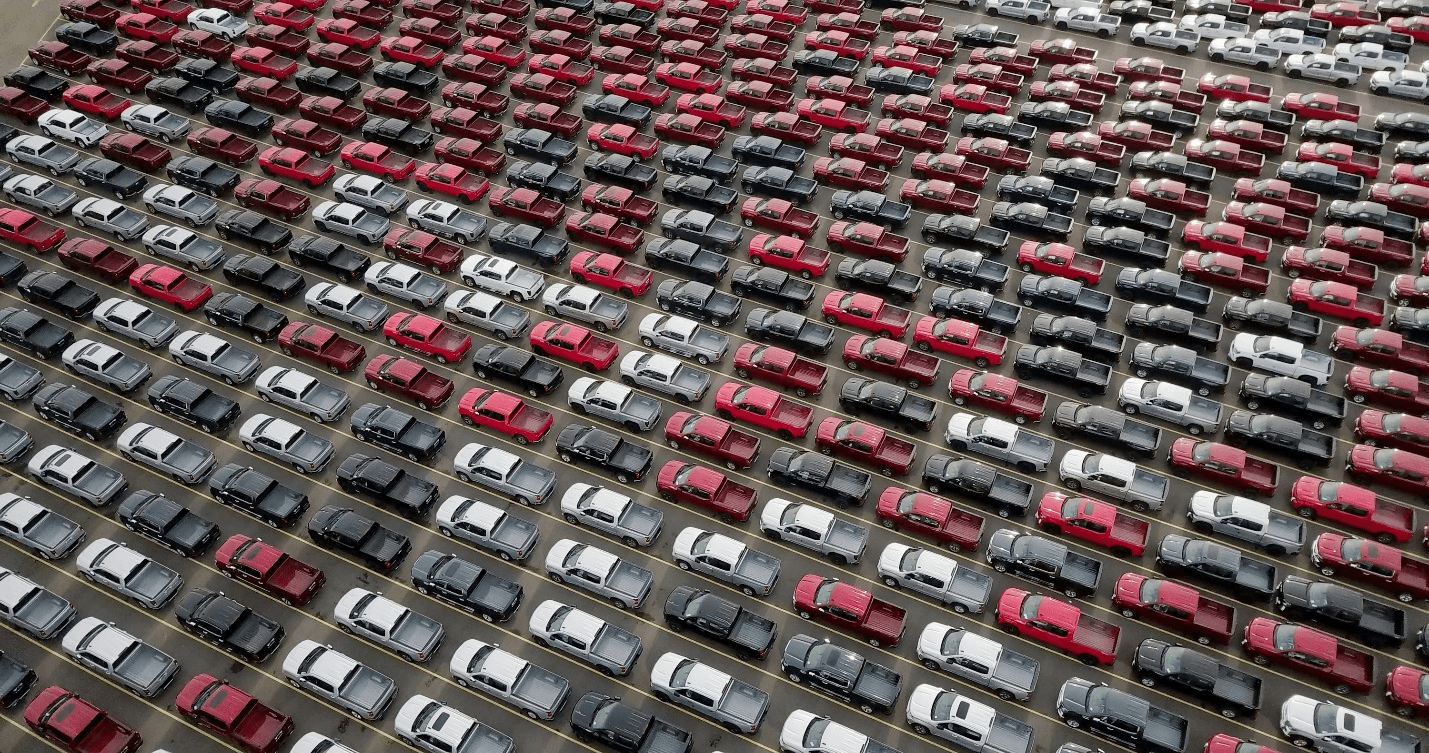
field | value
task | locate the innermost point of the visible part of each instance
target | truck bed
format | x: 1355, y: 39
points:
x: 1011, y: 491
x: 1129, y: 530
x: 1096, y: 635
x: 1413, y: 574
x: 885, y: 619
x: 628, y: 580
x: 847, y: 537
x: 1016, y: 670
x: 1214, y: 617
x: 1238, y: 688
x: 1353, y: 664
x: 744, y: 702
x: 752, y: 631
x: 1081, y: 570
x: 1008, y: 735
x: 540, y: 687
x: 971, y: 586
x: 1164, y: 730
x: 1382, y: 620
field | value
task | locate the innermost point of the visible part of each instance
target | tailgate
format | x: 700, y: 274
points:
x: 1238, y: 688
x: 1008, y: 735
x: 886, y: 620
x: 971, y: 587
x: 1017, y: 670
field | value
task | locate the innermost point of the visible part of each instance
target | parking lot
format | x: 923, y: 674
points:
x: 161, y: 726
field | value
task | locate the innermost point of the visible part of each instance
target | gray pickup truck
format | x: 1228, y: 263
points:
x: 732, y: 703
x: 1074, y: 418
x: 843, y: 542
x: 1271, y: 317
x: 1169, y: 402
x: 538, y: 692
x: 600, y: 572
x: 613, y: 513
x: 1043, y: 561
x: 362, y: 691
x: 1217, y: 563
x: 978, y: 660
x: 1310, y: 448
x: 841, y: 673
x: 412, y: 635
x: 131, y: 662
x: 487, y: 526
x: 837, y: 482
x: 504, y: 472
x: 975, y: 727
x: 1078, y: 333
x: 1001, y: 440
x: 1204, y: 375
x: 932, y: 574
x: 1334, y: 605
x: 1172, y: 321
x: 723, y: 558
x: 607, y: 647
x: 1231, y: 692
x: 1122, y: 479
x: 1121, y: 716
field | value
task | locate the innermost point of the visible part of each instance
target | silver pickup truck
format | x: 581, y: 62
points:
x: 501, y: 471
x: 932, y: 574
x: 734, y: 704
x: 538, y: 692
x: 1169, y: 402
x: 487, y: 526
x: 599, y: 572
x: 1143, y: 490
x: 114, y: 653
x: 608, y: 648
x: 362, y: 691
x: 723, y: 558
x: 412, y: 635
x: 613, y: 513
x: 978, y: 660
x: 843, y: 542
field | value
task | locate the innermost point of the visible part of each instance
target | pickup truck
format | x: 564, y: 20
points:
x: 866, y: 443
x: 1328, y: 264
x: 1309, y: 447
x: 712, y: 437
x: 1274, y: 318
x: 866, y: 312
x: 1173, y: 94
x: 780, y: 366
x: 1329, y: 728
x: 1057, y: 259
x: 1277, y: 192
x: 1345, y: 667
x: 1334, y: 605
x: 998, y: 393
x: 1130, y: 212
x: 750, y: 635
x: 1169, y: 194
x: 1094, y: 420
x: 978, y: 660
x: 723, y: 558
x: 1169, y: 402
x: 1043, y: 561
x: 1114, y: 476
x: 1168, y: 163
x: 1172, y: 321
x: 1345, y: 132
x: 1204, y: 375
x: 1389, y: 522
x: 600, y: 572
x: 856, y: 610
x: 934, y: 575
x: 1121, y: 716
x: 814, y: 528
x: 888, y: 402
x: 1071, y: 295
x: 1055, y: 362
x: 1093, y: 520
x: 974, y: 726
x: 623, y: 728
x: 1226, y: 270
x: 1320, y: 177
x: 1229, y: 465
x: 841, y: 673
x: 965, y: 267
x: 1058, y: 624
x: 1371, y: 562
x: 1318, y: 407
x: 804, y: 469
x: 977, y: 306
x: 1182, y: 608
x: 1232, y: 692
x: 706, y: 487
x: 1247, y: 520
x: 1002, y: 440
x: 964, y: 231
x: 1217, y: 563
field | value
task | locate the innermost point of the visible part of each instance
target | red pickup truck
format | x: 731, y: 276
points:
x: 408, y: 378
x: 888, y: 356
x: 847, y: 172
x: 1175, y: 604
x: 1234, y: 87
x: 1372, y: 562
x: 1087, y: 144
x: 764, y: 408
x: 974, y: 98
x: 24, y: 229
x: 1319, y: 105
x: 866, y: 312
x: 999, y: 393
x: 789, y: 253
x: 918, y: 106
x: 1340, y: 155
x: 786, y: 126
x: 1368, y: 244
x: 1070, y: 92
x: 1380, y: 346
x: 214, y: 704
x: 1225, y: 155
x: 67, y: 721
x: 1147, y: 68
x: 780, y: 366
x: 849, y: 22
x: 867, y: 147
x: 951, y: 168
x: 1328, y: 264
x: 618, y: 201
x: 927, y: 42
x: 868, y: 444
x: 1058, y: 624
x: 1169, y: 194
x: 996, y: 154
x: 1410, y: 198
x: 1249, y: 134
x: 1168, y: 92
x: 1061, y: 50
x: 712, y: 437
x: 960, y: 338
x: 834, y: 113
x: 1095, y: 521
x: 268, y: 569
x: 867, y: 239
x: 931, y: 516
x: 504, y: 412
x: 96, y: 258
x: 1268, y: 219
x: 779, y: 215
x: 1226, y: 237
x: 1403, y: 431
x: 315, y: 342
x: 706, y: 487
x: 1322, y: 655
x: 1229, y: 465
x: 1061, y: 260
x: 1277, y: 192
x: 525, y: 204
x: 1391, y: 388
x: 850, y: 608
x: 1354, y: 506
x: 1337, y: 299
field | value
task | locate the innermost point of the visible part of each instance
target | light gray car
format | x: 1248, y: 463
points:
x: 214, y: 355
x: 344, y: 304
x: 370, y: 192
x: 1088, y: 18
x: 135, y: 321
x: 1322, y: 66
x: 487, y: 526
x: 43, y: 152
x: 124, y: 570
x: 38, y: 528
x: 106, y: 364
x: 683, y: 337
x: 362, y: 691
x: 153, y: 120
x: 286, y: 442
x: 447, y: 220
x: 72, y: 126
x: 1407, y: 84
x: 1245, y: 51
x: 111, y: 652
x: 732, y: 703
x: 586, y: 304
x: 1248, y: 520
x: 41, y: 193
x: 73, y: 473
x: 303, y: 393
x: 184, y: 246
x: 502, y: 277
x: 538, y: 692
x: 405, y: 283
x: 111, y: 217
x: 411, y: 635
x: 32, y: 607
x: 486, y: 312
x: 673, y: 377
x: 613, y: 513
x: 184, y: 461
x: 437, y: 727
x: 524, y: 481
x: 181, y: 203
x: 590, y: 568
x: 351, y: 220
x: 614, y: 401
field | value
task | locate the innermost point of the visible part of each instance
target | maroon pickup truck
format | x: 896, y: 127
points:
x: 990, y: 75
x: 780, y: 216
x: 1328, y: 264
x: 867, y: 239
x: 315, y: 342
x: 868, y: 444
x: 407, y: 378
x: 1087, y: 144
x: 1169, y: 194
x: 96, y: 258
x: 706, y: 487
x: 1175, y: 604
x: 998, y: 393
x: 780, y: 366
x: 836, y: 603
x: 887, y: 356
x: 1345, y: 668
x: 953, y: 168
x: 1379, y: 346
x: 1071, y: 92
x: 929, y: 515
x: 712, y: 437
x: 1168, y: 92
x: 1372, y: 562
x: 1268, y: 219
x: 618, y: 201
x: 1277, y: 192
x: 1229, y: 465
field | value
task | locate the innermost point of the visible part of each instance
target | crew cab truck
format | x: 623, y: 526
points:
x: 932, y: 574
x: 537, y: 691
x: 1002, y: 440
x: 1079, y: 334
x: 1095, y: 521
x: 602, y: 717
x: 689, y: 608
x: 979, y: 660
x: 841, y: 484
x: 1231, y: 692
x: 974, y: 726
x: 1043, y: 561
x: 851, y: 608
x: 1073, y: 418
x: 1184, y: 609
x: 1281, y: 356
x: 1248, y: 520
x: 1346, y: 668
x: 1229, y: 465
x: 841, y: 673
x: 1372, y: 562
x: 1122, y: 717
x: 1217, y: 563
x: 1333, y: 729
x: 1169, y: 402
x: 732, y: 703
x: 1174, y: 322
x: 1123, y: 479
x: 1387, y: 521
x: 1271, y: 317
x: 1089, y: 377
x: 1277, y: 393
x: 865, y: 442
x: 1310, y: 448
x: 843, y: 542
x: 723, y: 558
x: 1334, y: 605
x: 1201, y: 373
x: 1059, y: 625
x: 600, y: 572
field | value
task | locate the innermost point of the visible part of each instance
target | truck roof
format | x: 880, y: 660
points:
x: 503, y: 665
x: 812, y: 518
x: 224, y: 702
x: 976, y: 715
x: 1177, y: 595
x: 658, y: 362
x: 724, y: 548
x: 499, y: 460
x: 595, y: 560
x: 995, y: 427
x: 104, y: 641
x: 705, y: 680
x: 1115, y: 466
x: 1058, y: 612
x: 377, y: 609
x: 606, y: 501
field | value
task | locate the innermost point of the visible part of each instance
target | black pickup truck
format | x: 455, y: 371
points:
x: 389, y: 486
x: 1271, y: 318
x: 1120, y: 716
x: 1172, y: 165
x: 1334, y: 605
x: 1008, y: 495
x: 1104, y: 423
x: 1126, y: 241
x: 78, y: 412
x: 620, y: 727
x: 971, y: 269
x: 1081, y: 335
x: 1177, y: 323
x: 1372, y: 214
x: 885, y: 279
x: 1320, y: 178
x: 1231, y: 692
x: 1055, y: 362
x: 989, y: 311
x: 841, y: 673
x: 1037, y: 189
x: 380, y: 547
x: 1278, y: 393
x: 1310, y: 448
x: 1043, y: 561
x: 964, y: 230
x: 1027, y: 217
x: 1047, y: 291
x: 1182, y: 365
x: 1080, y: 171
x: 684, y: 159
x: 825, y: 477
x: 1105, y: 210
x: 750, y: 635
x: 1162, y: 286
x: 1217, y: 563
x: 889, y: 402
x: 228, y: 624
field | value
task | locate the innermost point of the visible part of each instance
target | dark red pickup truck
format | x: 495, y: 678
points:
x: 836, y: 603
x: 1183, y: 608
x: 706, y: 487
x: 318, y: 343
x: 780, y: 366
x: 712, y: 437
x: 407, y: 378
x: 868, y: 444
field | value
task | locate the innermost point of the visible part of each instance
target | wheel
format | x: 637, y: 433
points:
x: 1074, y: 723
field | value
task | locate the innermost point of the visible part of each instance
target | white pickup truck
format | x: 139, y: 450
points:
x: 1169, y: 402
x: 599, y: 572
x: 1281, y: 356
x: 1214, y: 26
x: 978, y: 660
x: 1289, y: 41
x: 1142, y: 489
x: 734, y: 704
